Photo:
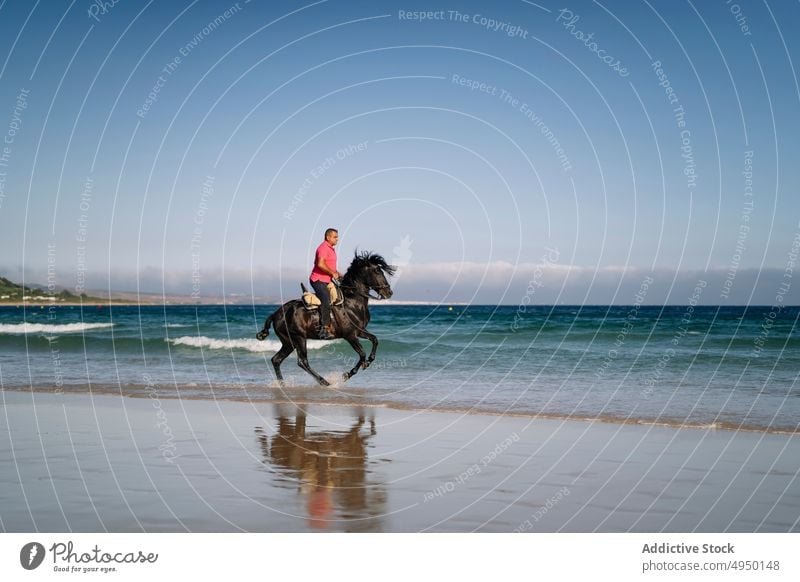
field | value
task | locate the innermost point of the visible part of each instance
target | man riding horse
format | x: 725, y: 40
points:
x: 295, y: 321
x: 324, y: 270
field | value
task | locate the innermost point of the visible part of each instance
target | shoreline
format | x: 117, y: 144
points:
x: 385, y: 303
x: 272, y: 395
x: 189, y: 302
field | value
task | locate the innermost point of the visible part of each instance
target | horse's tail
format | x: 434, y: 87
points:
x: 262, y: 335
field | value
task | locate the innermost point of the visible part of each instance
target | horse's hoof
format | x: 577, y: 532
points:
x: 261, y: 336
x: 324, y: 382
x: 346, y: 376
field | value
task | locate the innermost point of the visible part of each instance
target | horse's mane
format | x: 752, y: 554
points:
x: 366, y: 259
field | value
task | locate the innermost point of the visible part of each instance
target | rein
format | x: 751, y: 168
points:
x: 367, y: 294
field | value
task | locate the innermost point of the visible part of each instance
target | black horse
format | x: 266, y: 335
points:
x: 294, y: 324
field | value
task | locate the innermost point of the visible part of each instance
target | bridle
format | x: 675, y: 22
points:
x: 378, y: 288
x: 367, y: 294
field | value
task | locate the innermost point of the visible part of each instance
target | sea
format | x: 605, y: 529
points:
x: 727, y: 368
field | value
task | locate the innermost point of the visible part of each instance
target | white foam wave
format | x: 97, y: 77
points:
x: 23, y: 328
x: 171, y: 325
x: 250, y: 345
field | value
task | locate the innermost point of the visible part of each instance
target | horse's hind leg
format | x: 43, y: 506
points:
x: 302, y: 361
x: 282, y: 354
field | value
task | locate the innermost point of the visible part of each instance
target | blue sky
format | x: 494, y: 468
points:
x: 484, y: 147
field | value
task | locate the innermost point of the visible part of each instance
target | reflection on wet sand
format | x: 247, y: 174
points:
x: 330, y: 468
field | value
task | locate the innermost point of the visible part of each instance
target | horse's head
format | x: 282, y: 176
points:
x: 370, y: 270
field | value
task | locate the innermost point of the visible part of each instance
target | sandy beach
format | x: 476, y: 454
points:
x: 84, y: 463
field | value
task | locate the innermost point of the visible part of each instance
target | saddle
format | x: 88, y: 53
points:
x: 311, y: 302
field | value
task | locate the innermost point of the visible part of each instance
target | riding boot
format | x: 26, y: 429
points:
x: 324, y: 332
x: 327, y: 331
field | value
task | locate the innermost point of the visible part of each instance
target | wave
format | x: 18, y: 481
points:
x: 25, y: 328
x: 250, y: 345
x: 171, y: 325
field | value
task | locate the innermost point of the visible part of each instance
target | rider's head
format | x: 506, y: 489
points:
x: 332, y: 236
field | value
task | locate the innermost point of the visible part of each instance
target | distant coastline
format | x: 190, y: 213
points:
x: 11, y: 296
x: 16, y: 295
x: 188, y: 301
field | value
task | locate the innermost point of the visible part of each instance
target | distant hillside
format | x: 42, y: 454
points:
x: 11, y: 292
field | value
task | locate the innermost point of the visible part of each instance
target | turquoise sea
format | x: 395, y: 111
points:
x: 726, y: 367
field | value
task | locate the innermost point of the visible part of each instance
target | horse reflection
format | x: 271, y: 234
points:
x: 331, y: 468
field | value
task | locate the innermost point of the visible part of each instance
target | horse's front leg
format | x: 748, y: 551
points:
x: 366, y: 335
x: 362, y: 356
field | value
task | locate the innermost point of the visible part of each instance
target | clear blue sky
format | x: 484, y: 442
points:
x: 489, y: 132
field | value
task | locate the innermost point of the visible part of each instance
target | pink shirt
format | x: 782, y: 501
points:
x: 328, y: 253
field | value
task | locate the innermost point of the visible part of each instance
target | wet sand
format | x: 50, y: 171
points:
x: 85, y: 463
